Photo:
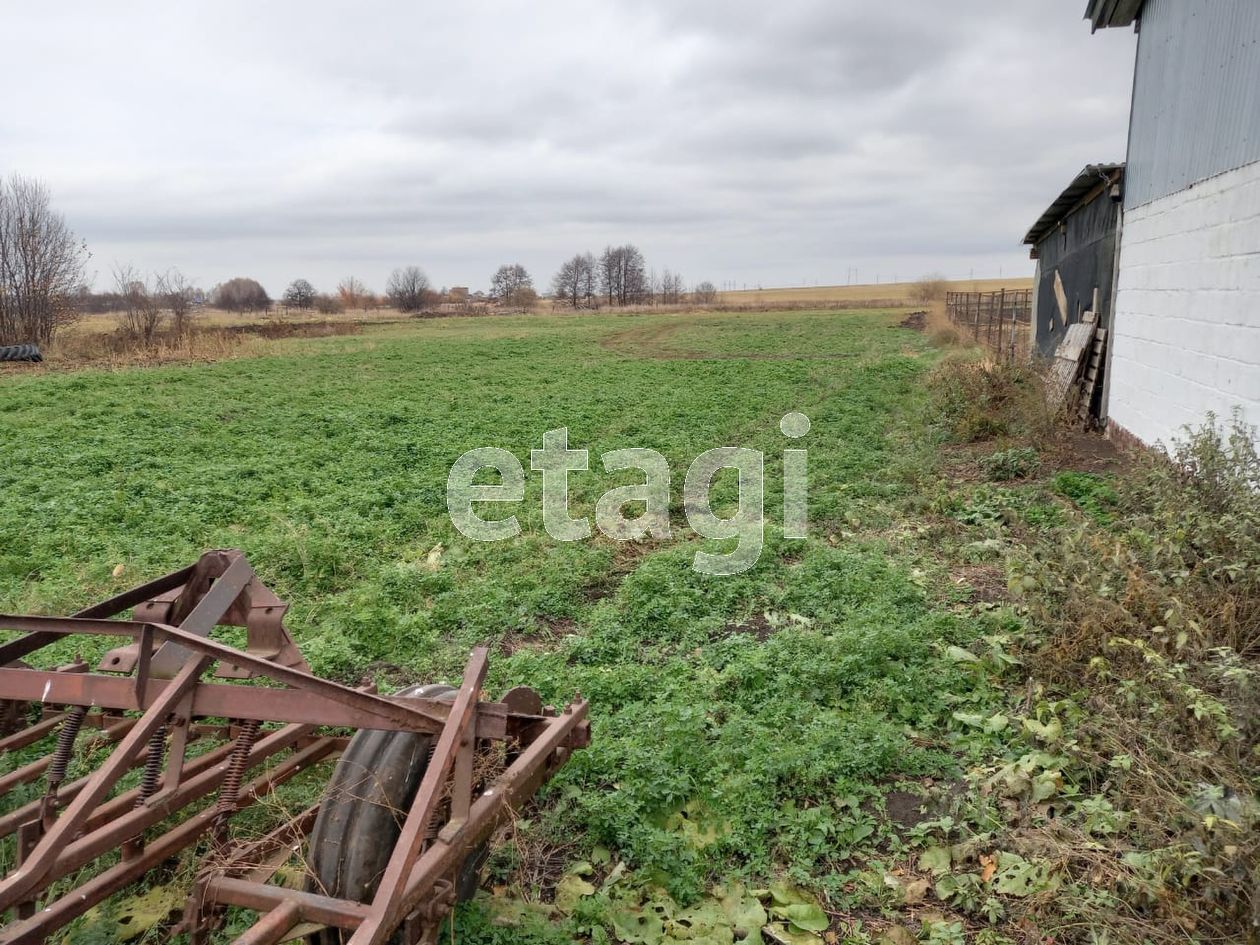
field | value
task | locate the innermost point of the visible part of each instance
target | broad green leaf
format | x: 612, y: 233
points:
x: 569, y: 890
x: 959, y: 655
x: 807, y: 916
x: 936, y: 859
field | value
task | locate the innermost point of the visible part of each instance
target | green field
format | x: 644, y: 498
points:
x: 761, y: 743
x: 764, y: 713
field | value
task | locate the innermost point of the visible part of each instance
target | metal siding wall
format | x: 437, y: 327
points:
x: 1084, y: 257
x: 1196, y: 102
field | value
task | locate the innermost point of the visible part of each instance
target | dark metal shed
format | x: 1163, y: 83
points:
x: 1074, y: 243
x: 1107, y: 13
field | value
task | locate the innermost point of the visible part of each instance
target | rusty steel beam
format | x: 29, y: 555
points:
x: 412, y: 715
x: 111, y: 808
x: 414, y: 892
x: 386, y: 906
x: 166, y: 662
x: 261, y: 859
x: 56, y: 914
x: 112, y: 832
x: 24, y: 646
x: 274, y: 926
x: 505, y: 793
x: 33, y: 869
x: 29, y: 772
x: 549, y: 749
x: 226, y: 700
x: 341, y: 913
x: 32, y: 733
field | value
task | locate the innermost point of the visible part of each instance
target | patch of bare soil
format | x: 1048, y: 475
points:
x: 1085, y: 451
x: 903, y: 808
x: 961, y: 462
x: 987, y: 582
x: 626, y: 555
x: 756, y: 625
x: 915, y: 321
x: 551, y: 630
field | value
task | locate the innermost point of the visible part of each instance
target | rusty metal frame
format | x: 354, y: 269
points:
x: 149, y: 699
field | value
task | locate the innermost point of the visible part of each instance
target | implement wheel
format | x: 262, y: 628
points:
x: 362, y: 813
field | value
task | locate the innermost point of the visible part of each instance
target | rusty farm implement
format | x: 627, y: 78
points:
x: 195, y: 731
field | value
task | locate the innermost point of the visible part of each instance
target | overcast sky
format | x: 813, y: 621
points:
x: 776, y: 143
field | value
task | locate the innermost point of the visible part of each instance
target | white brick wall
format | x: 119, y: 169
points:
x: 1186, y: 336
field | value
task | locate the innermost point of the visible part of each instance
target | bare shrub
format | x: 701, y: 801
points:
x: 175, y: 293
x: 941, y: 331
x: 299, y: 295
x: 328, y: 304
x: 140, y: 313
x: 977, y: 401
x: 930, y: 288
x: 409, y: 289
x: 705, y: 293
x: 41, y: 264
x: 513, y: 287
x: 354, y: 294
x: 241, y: 294
x: 670, y: 289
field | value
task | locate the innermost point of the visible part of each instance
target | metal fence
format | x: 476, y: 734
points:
x: 1002, y: 320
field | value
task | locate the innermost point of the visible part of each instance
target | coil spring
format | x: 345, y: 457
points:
x: 65, y: 746
x: 237, y: 763
x: 152, y: 765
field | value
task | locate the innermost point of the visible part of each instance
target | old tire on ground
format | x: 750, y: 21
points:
x: 361, y: 816
x: 20, y: 353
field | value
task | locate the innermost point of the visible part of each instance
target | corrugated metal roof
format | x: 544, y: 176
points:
x: 1089, y: 178
x: 1104, y: 13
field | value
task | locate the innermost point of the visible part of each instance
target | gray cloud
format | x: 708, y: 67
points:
x: 762, y: 143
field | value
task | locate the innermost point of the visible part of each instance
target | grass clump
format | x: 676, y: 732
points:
x: 1092, y: 493
x: 976, y: 400
x: 1018, y: 462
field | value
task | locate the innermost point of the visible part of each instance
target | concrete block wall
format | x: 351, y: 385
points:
x: 1186, y: 336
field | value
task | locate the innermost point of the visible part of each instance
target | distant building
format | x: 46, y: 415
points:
x: 457, y: 293
x: 1074, y: 244
x: 1185, y: 312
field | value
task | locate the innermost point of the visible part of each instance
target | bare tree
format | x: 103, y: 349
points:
x: 300, y: 295
x: 705, y: 293
x: 575, y: 282
x: 588, y: 281
x: 140, y: 314
x: 670, y: 288
x: 242, y: 295
x: 623, y: 278
x: 328, y: 304
x: 409, y: 289
x: 353, y: 293
x: 41, y: 264
x: 513, y: 287
x: 175, y: 293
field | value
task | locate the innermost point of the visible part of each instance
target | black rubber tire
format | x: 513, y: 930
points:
x: 361, y: 816
x: 20, y: 353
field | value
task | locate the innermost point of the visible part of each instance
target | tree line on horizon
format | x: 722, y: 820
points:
x: 43, y: 285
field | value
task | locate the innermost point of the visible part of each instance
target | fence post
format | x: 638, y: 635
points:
x: 1015, y: 309
x: 1002, y: 305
